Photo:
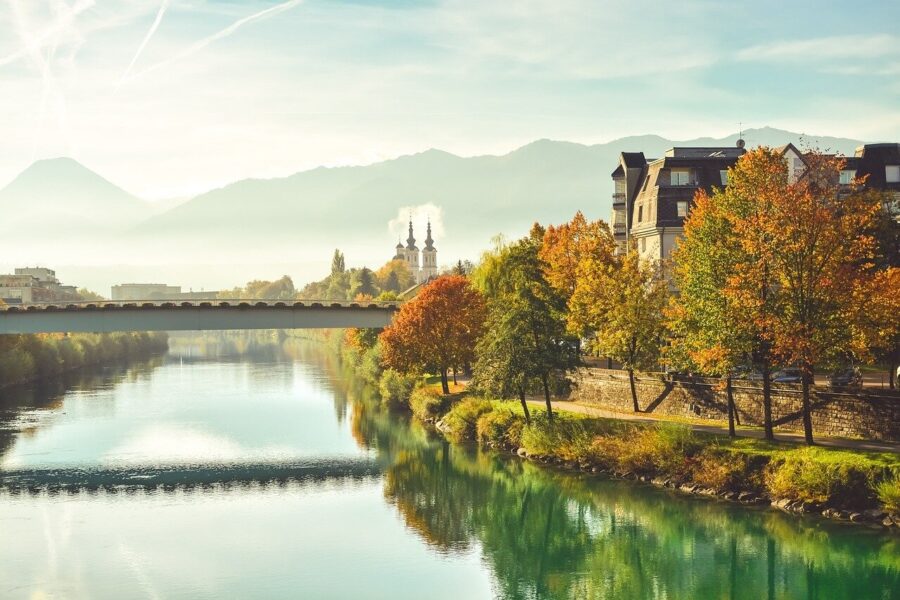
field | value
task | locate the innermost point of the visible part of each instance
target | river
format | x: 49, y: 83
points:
x: 275, y: 474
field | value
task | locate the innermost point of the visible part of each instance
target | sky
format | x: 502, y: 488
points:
x: 169, y: 98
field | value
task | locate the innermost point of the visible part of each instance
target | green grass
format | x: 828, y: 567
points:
x: 888, y: 492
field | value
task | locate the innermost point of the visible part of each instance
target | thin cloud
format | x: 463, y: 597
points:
x: 824, y: 48
x: 201, y: 44
x: 159, y: 16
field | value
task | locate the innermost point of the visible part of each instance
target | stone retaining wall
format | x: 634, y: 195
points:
x: 874, y: 416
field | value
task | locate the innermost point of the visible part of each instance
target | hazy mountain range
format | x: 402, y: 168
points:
x: 60, y: 213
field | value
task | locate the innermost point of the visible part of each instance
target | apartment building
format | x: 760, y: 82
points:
x: 653, y: 196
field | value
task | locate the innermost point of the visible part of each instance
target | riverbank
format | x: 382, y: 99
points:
x: 29, y: 358
x: 848, y: 485
x: 852, y: 484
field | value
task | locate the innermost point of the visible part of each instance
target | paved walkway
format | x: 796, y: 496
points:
x: 715, y: 427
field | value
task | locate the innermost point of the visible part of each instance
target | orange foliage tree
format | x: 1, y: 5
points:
x: 814, y: 238
x: 436, y: 330
x: 566, y: 245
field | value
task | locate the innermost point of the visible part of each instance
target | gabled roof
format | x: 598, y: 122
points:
x: 633, y: 160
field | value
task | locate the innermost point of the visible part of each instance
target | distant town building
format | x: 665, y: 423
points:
x: 34, y: 284
x: 144, y: 291
x: 156, y: 291
x: 411, y: 254
x: 652, y: 197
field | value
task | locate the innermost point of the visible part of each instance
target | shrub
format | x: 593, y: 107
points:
x: 428, y: 404
x: 663, y: 449
x: 500, y: 427
x: 369, y: 365
x: 722, y: 470
x: 565, y: 437
x: 461, y: 422
x: 888, y: 492
x: 814, y: 475
x: 395, y: 388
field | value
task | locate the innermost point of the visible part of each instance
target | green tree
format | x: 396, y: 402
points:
x: 708, y: 333
x: 337, y: 263
x: 525, y: 337
x: 621, y: 305
x: 362, y: 282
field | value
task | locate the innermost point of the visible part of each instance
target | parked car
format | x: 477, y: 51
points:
x: 848, y: 377
x: 746, y: 372
x: 788, y: 376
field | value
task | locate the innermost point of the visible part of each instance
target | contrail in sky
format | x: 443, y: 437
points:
x: 38, y: 41
x: 199, y: 45
x: 153, y: 27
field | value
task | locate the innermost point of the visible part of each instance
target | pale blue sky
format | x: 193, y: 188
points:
x: 168, y: 98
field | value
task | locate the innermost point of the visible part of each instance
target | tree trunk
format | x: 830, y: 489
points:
x: 807, y: 414
x: 547, y: 397
x: 634, y: 399
x: 730, y: 397
x: 767, y: 401
x: 524, y: 406
x: 444, y: 385
x: 454, y: 375
x: 892, y: 373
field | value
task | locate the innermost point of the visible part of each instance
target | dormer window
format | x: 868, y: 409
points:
x: 847, y: 176
x: 892, y: 173
x: 680, y: 176
x: 682, y: 208
x: 723, y: 176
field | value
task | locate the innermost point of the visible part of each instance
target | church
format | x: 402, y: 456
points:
x: 410, y: 254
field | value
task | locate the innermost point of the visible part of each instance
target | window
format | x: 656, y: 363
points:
x: 640, y: 213
x: 682, y: 208
x: 620, y: 186
x: 680, y: 177
x: 723, y: 175
x: 847, y: 176
x: 892, y: 173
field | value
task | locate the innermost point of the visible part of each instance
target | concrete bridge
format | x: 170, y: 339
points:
x: 103, y: 317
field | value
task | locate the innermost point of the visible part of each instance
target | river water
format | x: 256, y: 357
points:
x: 274, y: 474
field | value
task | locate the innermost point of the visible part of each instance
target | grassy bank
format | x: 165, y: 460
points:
x: 25, y: 358
x: 848, y: 484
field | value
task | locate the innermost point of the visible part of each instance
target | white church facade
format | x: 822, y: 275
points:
x: 411, y: 254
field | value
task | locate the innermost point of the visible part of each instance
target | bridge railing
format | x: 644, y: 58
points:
x: 243, y: 303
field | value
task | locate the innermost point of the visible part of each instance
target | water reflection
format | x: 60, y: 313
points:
x: 358, y: 502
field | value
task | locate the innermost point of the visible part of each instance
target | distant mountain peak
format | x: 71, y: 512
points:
x: 60, y: 170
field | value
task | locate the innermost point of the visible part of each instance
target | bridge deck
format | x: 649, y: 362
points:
x: 101, y: 317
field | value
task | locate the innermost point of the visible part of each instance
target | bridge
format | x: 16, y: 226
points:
x: 104, y: 317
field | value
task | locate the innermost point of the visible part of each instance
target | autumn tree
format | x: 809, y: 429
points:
x: 395, y: 276
x: 772, y: 267
x: 525, y: 339
x: 707, y: 332
x: 815, y: 237
x: 750, y: 290
x: 878, y: 324
x: 436, y: 330
x: 565, y: 246
x: 620, y: 304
